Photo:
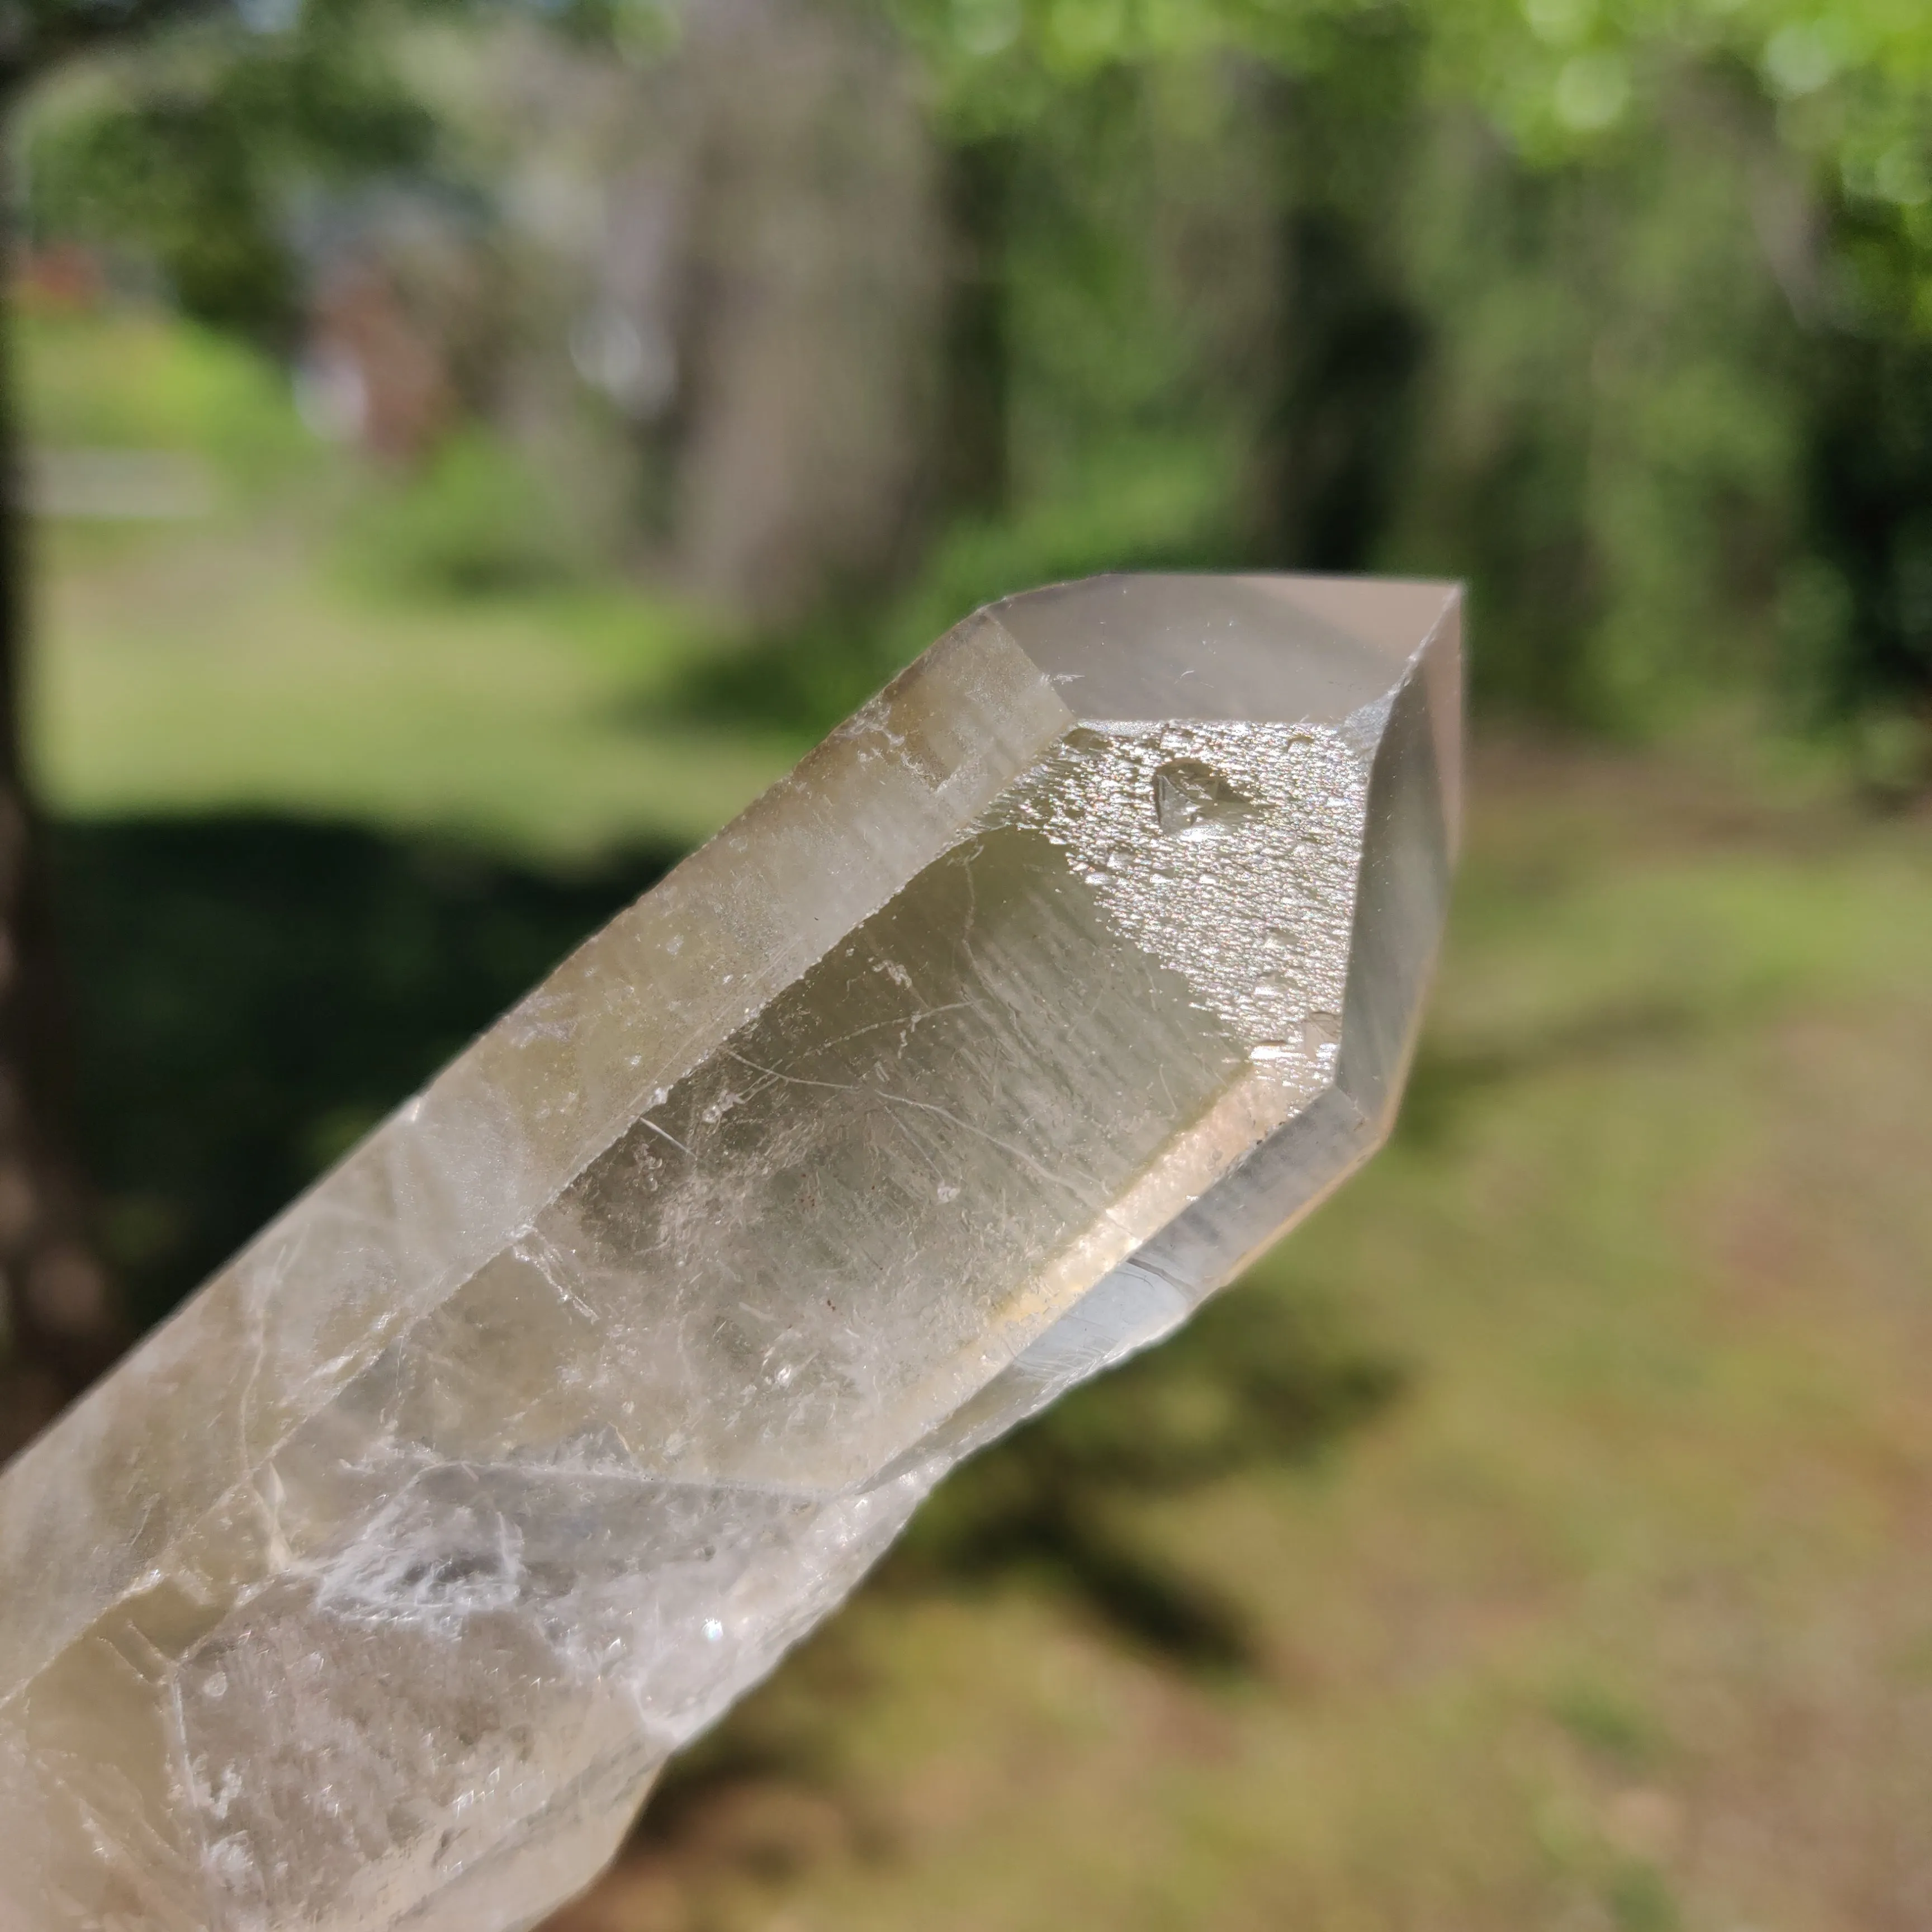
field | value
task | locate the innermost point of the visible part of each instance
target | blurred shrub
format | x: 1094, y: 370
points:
x: 1890, y: 750
x: 1154, y: 503
x: 138, y: 379
x: 474, y: 519
x: 191, y: 151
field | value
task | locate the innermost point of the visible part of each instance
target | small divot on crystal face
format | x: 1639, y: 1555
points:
x: 1229, y: 902
x: 1193, y: 800
x: 1322, y: 1034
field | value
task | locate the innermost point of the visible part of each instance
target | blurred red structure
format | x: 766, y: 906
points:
x: 372, y: 373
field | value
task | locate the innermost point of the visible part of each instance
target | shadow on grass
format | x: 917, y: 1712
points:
x: 1446, y: 1080
x: 1258, y: 1378
x: 253, y: 993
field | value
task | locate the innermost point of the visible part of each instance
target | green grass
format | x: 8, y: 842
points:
x: 216, y: 672
x: 1617, y: 1616
x: 440, y: 652
x: 290, y: 653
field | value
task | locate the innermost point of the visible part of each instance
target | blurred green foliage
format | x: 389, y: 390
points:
x: 1623, y: 311
x: 194, y: 155
x: 136, y: 379
x: 473, y: 521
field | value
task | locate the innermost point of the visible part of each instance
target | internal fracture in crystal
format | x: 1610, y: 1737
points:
x: 374, y: 1590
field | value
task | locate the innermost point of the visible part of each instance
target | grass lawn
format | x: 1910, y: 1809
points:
x: 231, y: 668
x: 241, y: 660
x: 1621, y: 1616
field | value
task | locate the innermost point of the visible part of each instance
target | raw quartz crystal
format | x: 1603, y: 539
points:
x: 373, y: 1589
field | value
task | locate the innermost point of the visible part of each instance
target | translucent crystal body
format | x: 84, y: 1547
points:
x: 374, y: 1589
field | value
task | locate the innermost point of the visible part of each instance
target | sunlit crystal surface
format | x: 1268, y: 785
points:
x: 374, y: 1590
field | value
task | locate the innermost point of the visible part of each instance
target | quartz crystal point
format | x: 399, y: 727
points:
x: 373, y: 1589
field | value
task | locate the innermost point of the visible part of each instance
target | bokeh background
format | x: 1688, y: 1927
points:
x: 471, y: 447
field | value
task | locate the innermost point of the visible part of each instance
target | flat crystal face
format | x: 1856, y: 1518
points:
x: 373, y: 1589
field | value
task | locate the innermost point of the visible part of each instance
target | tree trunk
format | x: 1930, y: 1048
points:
x: 1352, y: 347
x: 976, y: 452
x: 63, y: 1323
